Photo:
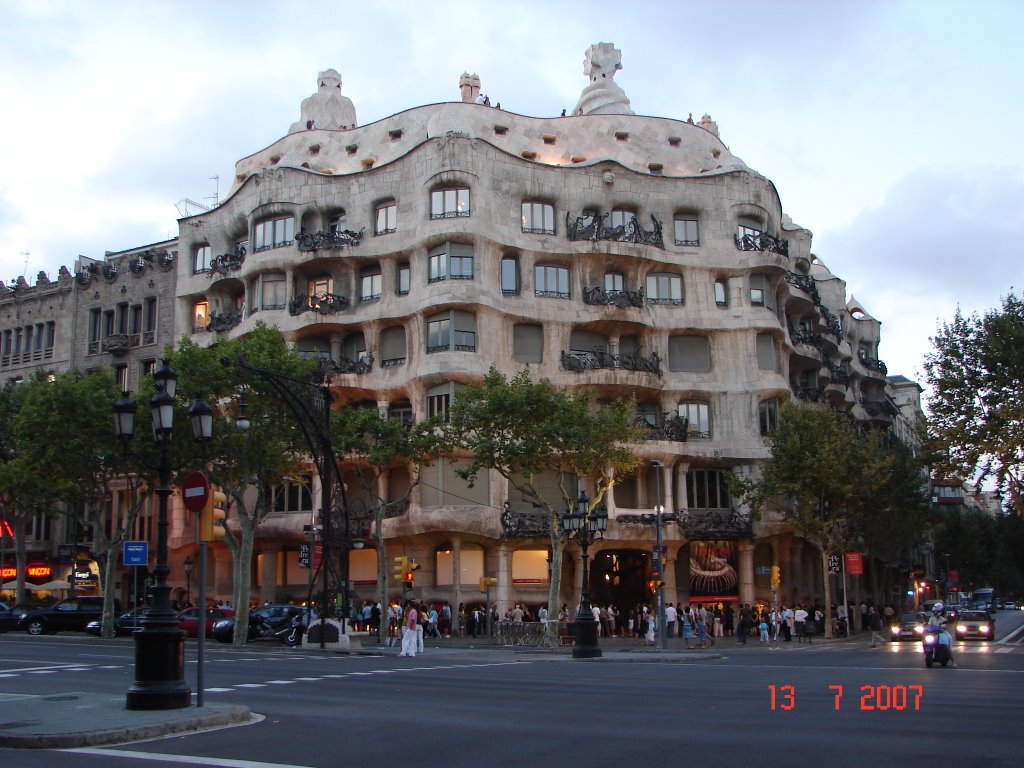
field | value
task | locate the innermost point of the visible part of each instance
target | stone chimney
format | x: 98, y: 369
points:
x: 469, y: 86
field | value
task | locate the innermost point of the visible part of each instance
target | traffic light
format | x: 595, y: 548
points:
x: 410, y: 579
x: 401, y: 568
x: 486, y: 582
x: 654, y: 585
x: 776, y: 578
x: 213, y: 517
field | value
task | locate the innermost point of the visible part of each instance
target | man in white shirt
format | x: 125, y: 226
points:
x: 800, y: 619
x: 670, y: 620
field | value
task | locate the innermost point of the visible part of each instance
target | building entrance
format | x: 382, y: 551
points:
x: 619, y: 577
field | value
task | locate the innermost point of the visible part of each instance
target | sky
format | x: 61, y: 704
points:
x: 890, y: 128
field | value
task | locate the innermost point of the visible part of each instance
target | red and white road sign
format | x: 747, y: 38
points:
x: 195, y: 491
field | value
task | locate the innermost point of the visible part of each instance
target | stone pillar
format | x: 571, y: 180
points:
x: 746, y: 572
x: 680, y: 485
x: 456, y: 582
x: 502, y: 592
x: 667, y: 489
x: 268, y: 574
x: 669, y: 577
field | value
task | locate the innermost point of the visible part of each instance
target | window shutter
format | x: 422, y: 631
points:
x: 766, y: 357
x: 392, y: 343
x: 690, y: 354
x: 528, y: 343
x: 464, y: 321
x: 586, y: 341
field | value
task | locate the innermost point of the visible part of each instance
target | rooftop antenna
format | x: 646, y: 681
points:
x: 24, y: 271
x: 216, y: 191
x: 189, y: 207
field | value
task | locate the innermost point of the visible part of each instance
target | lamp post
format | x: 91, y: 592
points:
x: 585, y: 527
x: 310, y: 404
x: 160, y: 644
x: 188, y: 580
x: 658, y: 571
x: 948, y: 582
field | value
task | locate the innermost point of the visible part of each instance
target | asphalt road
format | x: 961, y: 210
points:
x: 840, y: 704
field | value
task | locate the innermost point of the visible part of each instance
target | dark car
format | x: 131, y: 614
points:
x: 909, y: 627
x: 124, y: 624
x: 263, y: 621
x: 978, y: 624
x: 73, y: 615
x: 188, y: 620
x: 9, y: 619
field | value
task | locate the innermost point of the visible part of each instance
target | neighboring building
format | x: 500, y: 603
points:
x: 115, y: 312
x: 635, y: 255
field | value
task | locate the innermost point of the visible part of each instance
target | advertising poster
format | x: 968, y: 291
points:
x: 713, y: 570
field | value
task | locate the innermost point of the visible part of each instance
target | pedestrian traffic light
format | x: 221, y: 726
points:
x: 213, y: 517
x: 776, y: 577
x: 410, y: 579
x: 401, y: 568
x: 654, y: 585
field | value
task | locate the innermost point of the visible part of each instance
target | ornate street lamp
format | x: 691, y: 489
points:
x: 585, y: 527
x: 160, y: 644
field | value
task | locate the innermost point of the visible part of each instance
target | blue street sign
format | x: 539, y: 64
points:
x: 136, y: 552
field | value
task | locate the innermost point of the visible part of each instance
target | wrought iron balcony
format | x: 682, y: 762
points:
x: 714, y: 524
x: 806, y: 336
x: 763, y: 242
x: 524, y: 524
x: 840, y: 374
x: 342, y: 238
x: 813, y: 394
x: 884, y: 409
x: 224, y: 321
x: 872, y: 364
x: 621, y: 299
x: 324, y: 303
x: 227, y: 262
x: 578, y: 361
x: 805, y: 283
x: 831, y: 322
x: 326, y: 367
x: 593, y: 228
x: 118, y: 344
x: 672, y: 427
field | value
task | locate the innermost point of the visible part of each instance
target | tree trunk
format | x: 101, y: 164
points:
x: 20, y: 560
x: 242, y: 567
x: 554, y: 579
x: 827, y: 610
x: 108, y: 590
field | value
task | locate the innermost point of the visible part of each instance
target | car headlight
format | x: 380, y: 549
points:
x: 983, y: 628
x: 895, y: 630
x: 961, y: 627
x: 919, y: 628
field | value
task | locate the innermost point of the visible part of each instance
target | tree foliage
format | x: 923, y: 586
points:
x: 273, y: 447
x: 840, y: 487
x: 976, y: 376
x: 523, y: 429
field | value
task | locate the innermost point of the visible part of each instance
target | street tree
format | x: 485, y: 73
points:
x: 68, y: 462
x: 976, y: 402
x: 375, y: 450
x: 246, y: 464
x: 19, y: 500
x: 838, y: 485
x: 526, y: 430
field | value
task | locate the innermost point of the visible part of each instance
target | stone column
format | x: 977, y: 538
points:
x: 268, y: 574
x: 669, y: 577
x: 746, y: 552
x: 680, y: 485
x: 456, y: 582
x: 667, y: 489
x: 502, y: 592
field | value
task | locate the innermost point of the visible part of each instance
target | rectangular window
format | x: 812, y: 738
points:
x: 121, y: 377
x: 689, y: 353
x: 768, y: 415
x: 698, y: 420
x: 272, y: 291
x: 721, y: 297
x: 747, y: 227
x: 614, y: 283
x: 453, y: 261
x: 203, y: 256
x: 109, y: 326
x: 200, y: 316
x: 449, y: 203
x: 135, y: 320
x: 665, y: 289
x: 275, y: 233
x: 51, y: 334
x: 438, y: 405
x: 539, y: 218
x: 528, y: 343
x: 707, y: 489
x: 767, y: 358
x: 439, y: 335
x: 386, y: 218
x: 404, y: 279
x: 687, y: 231
x: 621, y: 218
x: 338, y: 223
x: 370, y: 284
x: 295, y: 496
x: 510, y: 275
x: 761, y: 294
x: 551, y: 281
x: 149, y: 316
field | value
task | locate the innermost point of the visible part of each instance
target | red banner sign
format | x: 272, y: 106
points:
x: 855, y: 563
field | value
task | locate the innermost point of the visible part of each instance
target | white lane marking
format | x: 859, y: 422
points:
x: 45, y: 671
x: 218, y: 690
x: 280, y: 682
x: 309, y: 679
x: 48, y: 667
x: 217, y: 762
x: 251, y: 685
x: 1004, y: 650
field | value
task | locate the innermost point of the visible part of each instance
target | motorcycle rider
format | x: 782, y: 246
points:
x: 938, y: 619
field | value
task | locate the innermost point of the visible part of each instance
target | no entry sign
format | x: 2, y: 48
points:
x: 195, y: 491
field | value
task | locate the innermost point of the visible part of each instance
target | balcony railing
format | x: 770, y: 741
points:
x: 700, y: 524
x: 806, y: 336
x: 873, y: 364
x: 227, y: 262
x: 672, y: 427
x: 805, y: 283
x: 622, y: 299
x: 324, y: 303
x: 811, y: 394
x: 597, y: 358
x: 327, y: 367
x: 224, y: 321
x: 763, y: 242
x: 593, y: 228
x: 840, y: 374
x: 118, y: 344
x: 342, y: 238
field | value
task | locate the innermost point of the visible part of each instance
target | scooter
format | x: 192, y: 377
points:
x: 936, y: 646
x: 290, y: 634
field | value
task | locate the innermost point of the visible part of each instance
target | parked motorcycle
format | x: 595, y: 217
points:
x: 290, y: 633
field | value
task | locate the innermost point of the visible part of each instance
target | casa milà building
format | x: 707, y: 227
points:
x: 635, y: 255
